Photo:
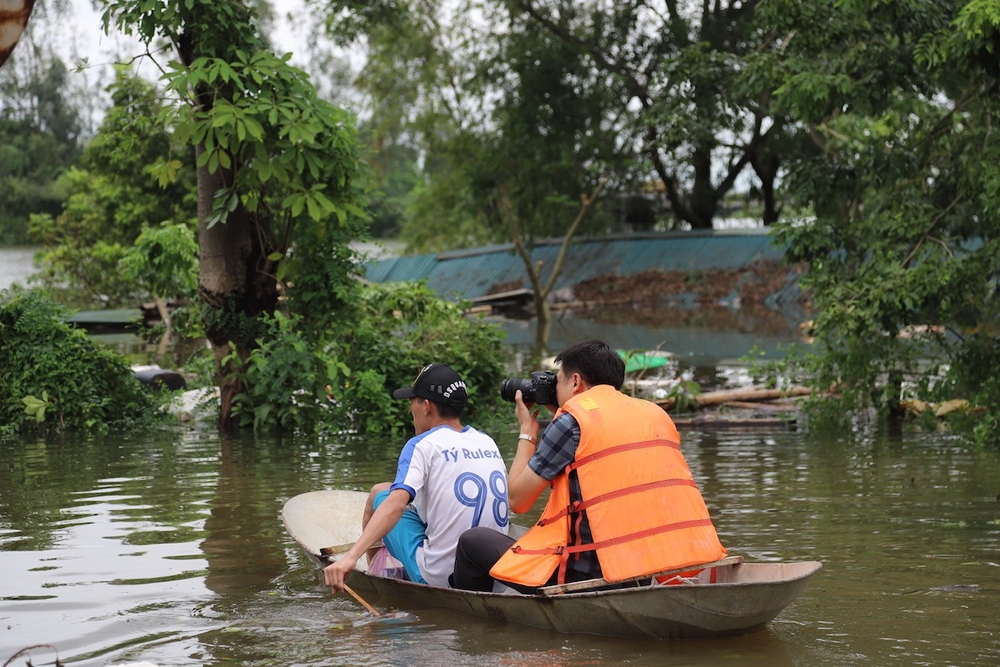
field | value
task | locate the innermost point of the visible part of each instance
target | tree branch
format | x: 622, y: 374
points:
x: 934, y: 222
x: 508, y: 212
x: 585, y: 205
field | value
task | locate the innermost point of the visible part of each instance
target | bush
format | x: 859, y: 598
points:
x: 53, y: 377
x: 345, y: 379
x: 399, y: 329
x: 284, y: 379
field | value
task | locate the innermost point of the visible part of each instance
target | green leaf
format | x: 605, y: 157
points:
x: 315, y: 210
x: 254, y: 128
x: 32, y: 404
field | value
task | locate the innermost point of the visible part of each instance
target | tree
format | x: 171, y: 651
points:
x: 900, y: 100
x: 513, y: 124
x: 272, y: 160
x: 113, y: 196
x: 40, y: 128
x: 696, y: 120
x: 542, y: 283
x: 164, y: 262
x: 477, y: 107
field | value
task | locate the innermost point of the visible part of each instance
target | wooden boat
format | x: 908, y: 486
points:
x: 743, y: 599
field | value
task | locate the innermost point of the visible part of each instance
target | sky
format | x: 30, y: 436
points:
x: 81, y: 38
x: 83, y: 35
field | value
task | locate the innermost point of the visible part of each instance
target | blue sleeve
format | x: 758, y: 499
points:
x: 403, y: 467
x: 556, y: 448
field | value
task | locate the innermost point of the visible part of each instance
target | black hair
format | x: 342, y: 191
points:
x: 449, y: 411
x: 595, y: 361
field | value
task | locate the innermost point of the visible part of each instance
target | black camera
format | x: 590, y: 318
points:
x: 539, y: 388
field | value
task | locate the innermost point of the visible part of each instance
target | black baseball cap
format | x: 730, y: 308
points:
x: 438, y: 383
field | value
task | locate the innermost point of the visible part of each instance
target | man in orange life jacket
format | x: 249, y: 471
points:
x: 623, y: 502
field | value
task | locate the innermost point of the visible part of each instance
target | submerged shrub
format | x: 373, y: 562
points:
x: 398, y: 329
x: 284, y: 379
x: 343, y: 377
x: 52, y: 376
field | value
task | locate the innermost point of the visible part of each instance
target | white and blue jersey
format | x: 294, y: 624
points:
x: 456, y: 480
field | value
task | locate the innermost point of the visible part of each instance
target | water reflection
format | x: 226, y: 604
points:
x: 702, y: 337
x: 171, y: 550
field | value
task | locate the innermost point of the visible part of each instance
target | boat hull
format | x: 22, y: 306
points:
x: 745, y: 597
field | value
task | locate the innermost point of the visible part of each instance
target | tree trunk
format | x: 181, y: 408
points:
x: 233, y: 284
x: 704, y: 198
x: 765, y: 164
x: 543, y: 326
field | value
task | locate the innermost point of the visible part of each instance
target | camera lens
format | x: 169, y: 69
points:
x: 510, y: 386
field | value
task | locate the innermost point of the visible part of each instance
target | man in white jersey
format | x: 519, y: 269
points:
x: 449, y: 478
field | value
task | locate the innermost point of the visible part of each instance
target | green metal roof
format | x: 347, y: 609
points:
x: 473, y: 273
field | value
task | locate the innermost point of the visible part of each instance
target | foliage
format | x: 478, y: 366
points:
x: 53, y: 377
x: 399, y: 329
x: 551, y: 137
x: 325, y: 273
x: 163, y: 261
x: 115, y: 194
x: 545, y: 96
x: 900, y: 101
x: 397, y: 174
x: 257, y: 117
x: 285, y: 378
x: 347, y: 380
x: 292, y: 155
x: 40, y: 127
x: 277, y: 166
x: 441, y: 213
x: 484, y: 108
x: 684, y: 395
x: 681, y: 98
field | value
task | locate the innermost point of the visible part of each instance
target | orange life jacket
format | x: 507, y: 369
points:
x: 645, y: 511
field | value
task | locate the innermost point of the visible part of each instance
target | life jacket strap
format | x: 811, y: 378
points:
x: 564, y: 550
x: 577, y: 507
x: 618, y: 449
x: 638, y: 535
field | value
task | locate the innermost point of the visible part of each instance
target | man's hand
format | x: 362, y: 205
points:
x: 527, y: 418
x: 335, y: 573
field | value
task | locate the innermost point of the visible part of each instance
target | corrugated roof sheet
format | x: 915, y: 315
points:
x: 472, y: 273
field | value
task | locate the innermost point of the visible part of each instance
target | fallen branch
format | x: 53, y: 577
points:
x: 751, y: 394
x: 761, y: 405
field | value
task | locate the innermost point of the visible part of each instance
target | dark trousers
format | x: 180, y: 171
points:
x: 478, y: 551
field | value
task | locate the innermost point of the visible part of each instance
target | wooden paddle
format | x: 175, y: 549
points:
x: 328, y: 553
x: 361, y: 600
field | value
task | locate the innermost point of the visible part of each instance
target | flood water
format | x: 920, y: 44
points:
x: 15, y: 265
x: 171, y: 550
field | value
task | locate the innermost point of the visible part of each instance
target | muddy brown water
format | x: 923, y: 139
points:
x: 171, y: 551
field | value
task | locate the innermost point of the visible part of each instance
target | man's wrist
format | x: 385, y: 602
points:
x: 527, y: 436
